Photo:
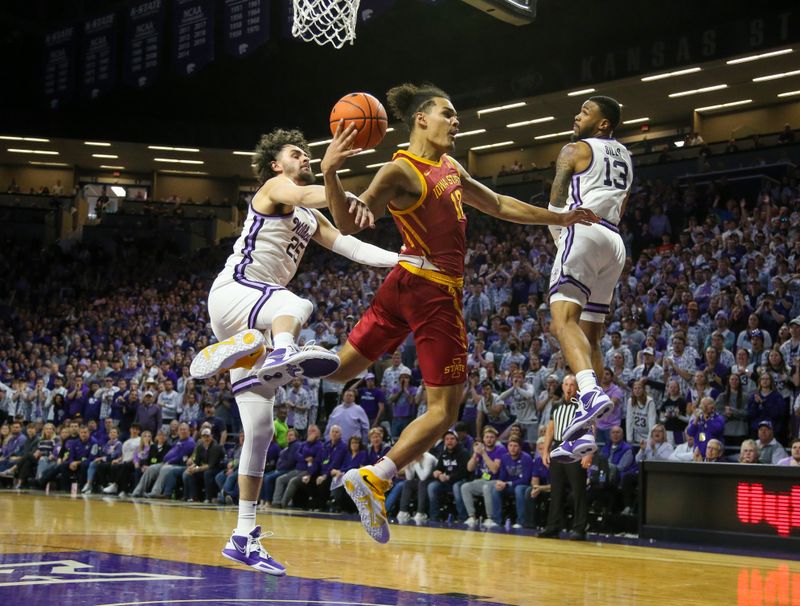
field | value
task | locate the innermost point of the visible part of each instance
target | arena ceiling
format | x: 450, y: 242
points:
x: 482, y: 62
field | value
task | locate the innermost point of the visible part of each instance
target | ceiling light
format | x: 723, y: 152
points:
x: 563, y: 133
x: 785, y: 51
x: 678, y: 143
x: 583, y: 91
x: 314, y: 161
x: 468, y: 133
x: 377, y: 165
x: 41, y: 152
x: 118, y: 191
x: 776, y: 76
x: 695, y: 91
x: 177, y: 149
x: 109, y: 156
x: 490, y: 145
x: 679, y: 72
x: 109, y: 167
x: 635, y: 120
x: 500, y: 108
x: 174, y: 171
x: 40, y: 163
x: 365, y: 152
x: 97, y: 143
x: 403, y: 144
x: 317, y: 143
x: 177, y: 161
x: 390, y: 130
x: 527, y: 122
x: 721, y: 105
x: 31, y: 139
x: 789, y: 93
x: 242, y: 153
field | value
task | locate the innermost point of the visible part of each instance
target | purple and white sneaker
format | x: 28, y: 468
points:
x: 594, y: 404
x: 284, y: 364
x: 574, y: 450
x: 247, y: 549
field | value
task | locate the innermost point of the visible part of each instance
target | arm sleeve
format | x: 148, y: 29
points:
x: 361, y: 252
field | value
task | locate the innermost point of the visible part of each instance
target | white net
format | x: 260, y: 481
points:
x: 325, y: 21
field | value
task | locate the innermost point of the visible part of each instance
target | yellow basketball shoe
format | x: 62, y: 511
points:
x: 367, y: 491
x: 243, y: 350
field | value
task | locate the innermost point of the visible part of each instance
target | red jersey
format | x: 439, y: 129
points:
x: 434, y: 226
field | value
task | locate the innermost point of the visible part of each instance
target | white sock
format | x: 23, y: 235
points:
x: 283, y: 340
x: 586, y: 380
x: 385, y: 468
x: 247, y: 517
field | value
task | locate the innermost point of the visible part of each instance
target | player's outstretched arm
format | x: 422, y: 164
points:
x: 284, y: 191
x: 352, y: 248
x: 510, y: 209
x: 388, y: 183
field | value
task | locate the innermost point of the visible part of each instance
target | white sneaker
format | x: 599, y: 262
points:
x: 243, y: 350
x: 87, y: 488
x: 122, y: 494
x: 110, y: 489
x: 489, y: 523
x: 516, y: 526
x: 403, y: 517
x: 420, y: 518
x: 284, y: 364
x: 367, y: 491
x: 471, y: 522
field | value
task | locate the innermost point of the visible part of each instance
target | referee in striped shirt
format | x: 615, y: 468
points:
x: 563, y: 473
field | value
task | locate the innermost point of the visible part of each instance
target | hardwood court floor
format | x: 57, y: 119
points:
x: 492, y: 566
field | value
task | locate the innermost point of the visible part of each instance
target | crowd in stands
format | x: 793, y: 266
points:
x: 702, y: 356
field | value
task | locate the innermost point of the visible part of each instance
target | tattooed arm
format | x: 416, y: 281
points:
x: 573, y: 158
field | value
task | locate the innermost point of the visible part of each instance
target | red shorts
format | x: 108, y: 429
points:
x: 408, y: 303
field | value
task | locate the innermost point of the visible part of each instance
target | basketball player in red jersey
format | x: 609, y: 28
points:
x: 423, y: 189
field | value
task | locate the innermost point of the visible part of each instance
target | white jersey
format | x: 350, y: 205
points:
x: 605, y: 184
x: 270, y: 247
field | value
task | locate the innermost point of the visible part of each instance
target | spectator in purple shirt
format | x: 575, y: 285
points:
x: 403, y: 404
x: 485, y: 465
x: 99, y: 467
x: 287, y: 461
x: 76, y: 398
x: 355, y: 457
x: 331, y: 460
x: 377, y: 448
x: 516, y: 470
x: 706, y: 424
x: 174, y: 462
x: 306, y: 466
x: 372, y: 400
x: 350, y: 417
x: 13, y: 446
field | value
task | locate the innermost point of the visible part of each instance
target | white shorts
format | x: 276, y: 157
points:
x: 587, y: 267
x: 236, y: 305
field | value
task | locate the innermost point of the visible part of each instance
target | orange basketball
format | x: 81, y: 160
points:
x: 367, y: 113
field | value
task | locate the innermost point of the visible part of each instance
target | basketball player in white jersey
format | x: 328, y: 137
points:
x: 249, y: 296
x: 595, y: 172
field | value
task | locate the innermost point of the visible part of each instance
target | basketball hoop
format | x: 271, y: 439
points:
x: 325, y: 21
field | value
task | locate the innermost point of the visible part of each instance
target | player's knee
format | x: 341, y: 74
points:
x: 299, y: 309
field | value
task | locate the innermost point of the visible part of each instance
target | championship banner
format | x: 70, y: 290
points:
x: 143, y: 43
x: 59, y: 66
x: 98, y: 56
x: 193, y: 33
x: 246, y: 25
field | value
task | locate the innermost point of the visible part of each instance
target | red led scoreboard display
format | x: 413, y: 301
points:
x: 719, y: 503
